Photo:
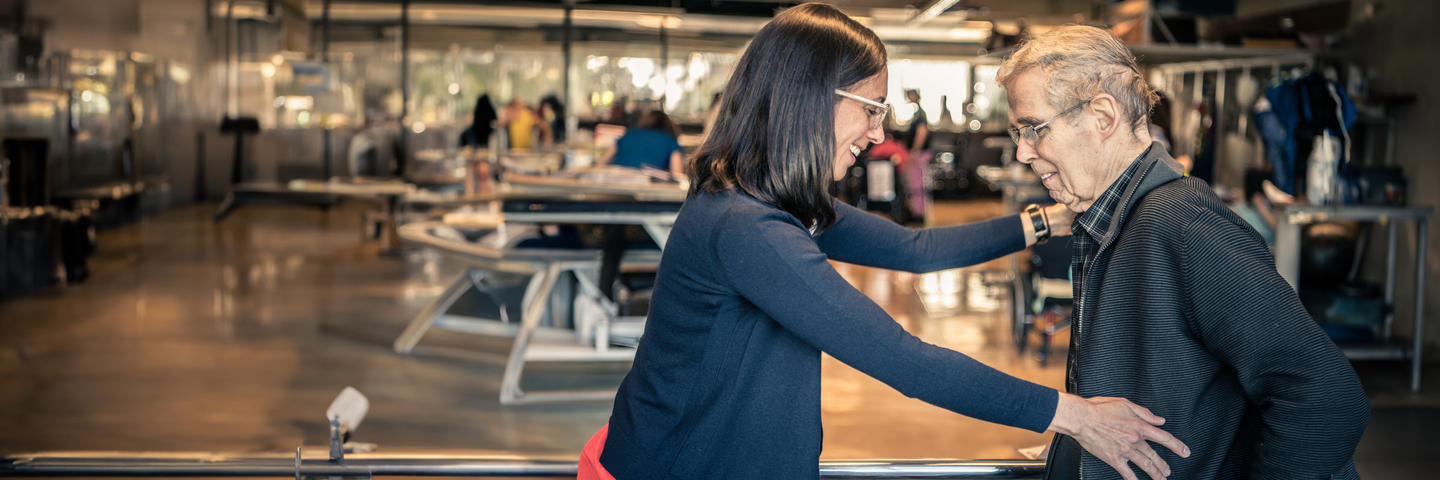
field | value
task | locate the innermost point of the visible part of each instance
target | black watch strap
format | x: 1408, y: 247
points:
x: 1037, y: 220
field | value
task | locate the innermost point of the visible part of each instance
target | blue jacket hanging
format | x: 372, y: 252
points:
x: 1298, y: 110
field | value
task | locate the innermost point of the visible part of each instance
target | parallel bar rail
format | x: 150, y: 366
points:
x: 366, y: 466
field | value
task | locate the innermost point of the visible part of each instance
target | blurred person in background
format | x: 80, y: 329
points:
x: 552, y: 112
x: 917, y: 137
x: 911, y: 174
x: 483, y: 124
x: 651, y: 143
x: 522, y: 124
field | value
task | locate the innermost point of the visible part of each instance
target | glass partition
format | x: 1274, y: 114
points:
x: 942, y: 88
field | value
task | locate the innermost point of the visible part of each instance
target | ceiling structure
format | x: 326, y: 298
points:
x: 922, y: 27
x: 947, y: 21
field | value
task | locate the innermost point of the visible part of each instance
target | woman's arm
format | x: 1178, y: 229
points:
x: 677, y: 164
x: 547, y: 136
x: 861, y: 238
x: 608, y: 156
x: 770, y: 260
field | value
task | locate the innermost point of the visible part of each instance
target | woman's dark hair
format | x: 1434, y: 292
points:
x: 774, y: 137
x: 557, y: 124
x: 658, y: 120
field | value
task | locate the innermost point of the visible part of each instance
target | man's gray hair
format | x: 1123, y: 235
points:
x: 1082, y: 62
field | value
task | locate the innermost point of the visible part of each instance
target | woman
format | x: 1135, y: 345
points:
x: 552, y: 112
x: 651, y: 143
x: 726, y: 383
x: 521, y: 122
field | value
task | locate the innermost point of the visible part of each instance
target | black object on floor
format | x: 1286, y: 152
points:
x: 28, y: 183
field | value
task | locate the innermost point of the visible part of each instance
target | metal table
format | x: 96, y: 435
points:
x: 1287, y: 261
x: 389, y: 193
x: 534, y: 342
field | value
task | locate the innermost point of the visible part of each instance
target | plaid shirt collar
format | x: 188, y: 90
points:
x: 1095, y: 221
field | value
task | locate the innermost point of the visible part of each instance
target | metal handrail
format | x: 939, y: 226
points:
x: 122, y: 464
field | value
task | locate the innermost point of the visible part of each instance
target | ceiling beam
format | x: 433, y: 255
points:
x: 930, y: 12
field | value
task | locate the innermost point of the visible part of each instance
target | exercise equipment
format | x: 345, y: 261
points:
x: 1327, y: 251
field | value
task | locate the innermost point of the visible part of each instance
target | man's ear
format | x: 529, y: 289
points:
x: 1107, y: 114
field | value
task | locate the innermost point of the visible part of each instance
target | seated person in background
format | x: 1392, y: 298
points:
x: 651, y: 142
x: 1257, y: 208
x: 1178, y: 304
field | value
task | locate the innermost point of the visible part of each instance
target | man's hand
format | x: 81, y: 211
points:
x: 1117, y: 432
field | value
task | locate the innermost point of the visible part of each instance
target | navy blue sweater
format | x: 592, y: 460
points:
x: 726, y: 383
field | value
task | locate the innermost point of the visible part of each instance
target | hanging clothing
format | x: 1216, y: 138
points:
x: 1291, y: 115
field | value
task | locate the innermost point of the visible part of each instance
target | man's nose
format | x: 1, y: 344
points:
x: 1025, y: 153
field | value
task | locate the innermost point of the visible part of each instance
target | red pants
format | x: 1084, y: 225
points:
x: 590, y: 468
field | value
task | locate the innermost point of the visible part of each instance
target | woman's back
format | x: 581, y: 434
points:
x: 717, y: 383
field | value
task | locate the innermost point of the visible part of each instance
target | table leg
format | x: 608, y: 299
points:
x: 1420, y: 234
x: 1391, y: 233
x: 426, y: 318
x: 659, y: 232
x: 1287, y: 250
x: 389, y: 236
x: 510, y: 392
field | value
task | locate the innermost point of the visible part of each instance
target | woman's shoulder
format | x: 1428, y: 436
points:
x: 731, y: 209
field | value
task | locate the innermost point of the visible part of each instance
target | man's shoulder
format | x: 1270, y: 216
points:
x: 1171, y: 204
x: 1185, y: 209
x: 1178, y: 202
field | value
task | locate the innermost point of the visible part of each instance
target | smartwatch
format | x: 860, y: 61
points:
x: 1039, y: 221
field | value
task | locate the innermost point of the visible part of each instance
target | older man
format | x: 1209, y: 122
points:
x: 1178, y: 304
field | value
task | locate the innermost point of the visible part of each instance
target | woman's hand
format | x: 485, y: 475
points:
x: 1060, y: 219
x: 1117, y: 432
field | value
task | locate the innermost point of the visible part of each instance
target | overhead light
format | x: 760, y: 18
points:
x: 934, y: 10
x: 962, y: 34
x: 655, y: 21
x: 299, y: 103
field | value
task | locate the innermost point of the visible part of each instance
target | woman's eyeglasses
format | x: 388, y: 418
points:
x: 876, y: 110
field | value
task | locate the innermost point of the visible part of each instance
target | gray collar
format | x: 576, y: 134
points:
x: 1156, y: 169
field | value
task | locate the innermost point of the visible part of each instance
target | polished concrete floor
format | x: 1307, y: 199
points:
x: 193, y: 335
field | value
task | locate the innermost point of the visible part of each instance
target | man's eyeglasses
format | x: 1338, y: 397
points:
x: 1033, y: 133
x: 876, y: 110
